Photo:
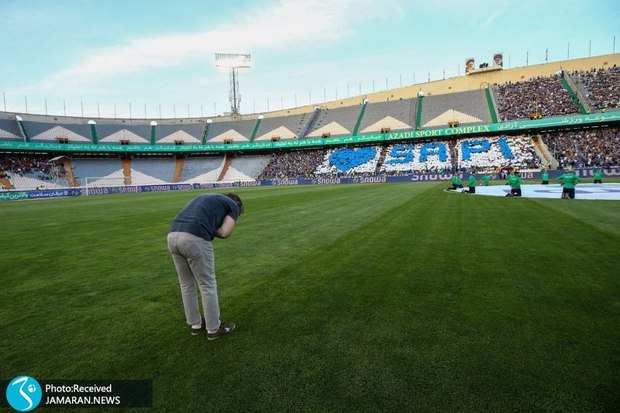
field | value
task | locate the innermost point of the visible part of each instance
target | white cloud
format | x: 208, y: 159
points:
x: 288, y: 23
x: 490, y: 19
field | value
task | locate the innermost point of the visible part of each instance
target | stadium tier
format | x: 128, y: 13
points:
x: 364, y: 160
x: 600, y: 87
x: 96, y: 169
x: 550, y: 150
x: 293, y: 164
x: 246, y: 168
x: 566, y: 93
x: 487, y: 153
x: 456, y: 108
x: 231, y: 131
x: 202, y: 169
x: 51, y: 129
x: 584, y: 148
x: 191, y: 132
x: 148, y: 171
x: 127, y: 132
x: 9, y: 128
x: 433, y: 156
x: 540, y: 97
x: 335, y: 122
x: 284, y: 127
x: 393, y: 115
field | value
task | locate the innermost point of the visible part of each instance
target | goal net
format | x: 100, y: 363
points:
x: 101, y: 181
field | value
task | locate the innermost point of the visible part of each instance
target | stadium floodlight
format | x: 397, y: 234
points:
x: 234, y: 62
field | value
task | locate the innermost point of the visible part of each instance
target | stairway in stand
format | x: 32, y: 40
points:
x: 178, y: 170
x: 66, y: 166
x: 127, y: 170
x: 7, y: 184
x: 227, y: 162
x: 544, y: 154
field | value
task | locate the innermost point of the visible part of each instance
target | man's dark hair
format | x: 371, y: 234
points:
x: 237, y: 201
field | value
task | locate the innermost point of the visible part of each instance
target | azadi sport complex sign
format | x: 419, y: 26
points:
x: 491, y: 128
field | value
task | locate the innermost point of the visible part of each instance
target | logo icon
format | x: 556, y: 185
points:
x: 24, y: 393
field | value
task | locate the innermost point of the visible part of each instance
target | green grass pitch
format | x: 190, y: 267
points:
x: 386, y: 297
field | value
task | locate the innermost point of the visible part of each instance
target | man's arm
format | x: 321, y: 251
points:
x: 226, y: 229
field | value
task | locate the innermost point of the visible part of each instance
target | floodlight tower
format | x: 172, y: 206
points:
x: 234, y: 62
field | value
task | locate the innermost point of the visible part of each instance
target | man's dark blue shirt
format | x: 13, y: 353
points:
x: 204, y: 215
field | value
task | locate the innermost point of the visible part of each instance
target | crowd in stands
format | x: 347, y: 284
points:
x: 429, y: 157
x: 491, y: 153
x: 543, y: 95
x: 350, y: 161
x: 293, y: 164
x: 464, y: 155
x: 585, y: 148
x: 579, y: 149
x: 602, y: 87
x: 23, y: 165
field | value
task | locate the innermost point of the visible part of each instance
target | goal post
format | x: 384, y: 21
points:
x: 101, y: 181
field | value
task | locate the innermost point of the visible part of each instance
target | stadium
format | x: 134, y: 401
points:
x: 489, y: 120
x: 357, y: 281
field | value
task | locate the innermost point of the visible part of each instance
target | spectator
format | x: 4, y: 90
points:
x: 585, y: 148
x: 293, y: 164
x: 543, y: 95
x: 494, y: 152
x: 22, y: 165
x: 602, y: 87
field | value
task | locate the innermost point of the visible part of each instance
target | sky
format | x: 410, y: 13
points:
x: 146, y: 59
